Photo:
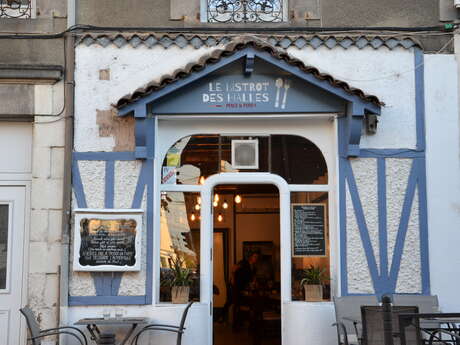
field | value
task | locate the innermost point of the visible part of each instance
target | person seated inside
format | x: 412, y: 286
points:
x: 244, y: 279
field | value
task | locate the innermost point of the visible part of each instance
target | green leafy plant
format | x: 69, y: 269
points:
x: 180, y: 276
x: 314, y: 276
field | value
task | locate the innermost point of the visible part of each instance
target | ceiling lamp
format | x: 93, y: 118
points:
x: 238, y: 199
x: 198, y: 200
x: 193, y: 217
x: 225, y: 205
x: 220, y: 217
x: 201, y: 180
x: 197, y: 207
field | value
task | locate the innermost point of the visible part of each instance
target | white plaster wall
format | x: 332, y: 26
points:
x: 397, y: 177
x: 387, y: 74
x: 93, y: 179
x: 365, y: 172
x: 130, y: 69
x: 397, y: 171
x: 410, y: 273
x: 133, y: 283
x: 359, y: 277
x: 126, y: 177
x: 443, y: 177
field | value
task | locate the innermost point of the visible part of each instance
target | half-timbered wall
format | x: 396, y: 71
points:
x: 382, y: 192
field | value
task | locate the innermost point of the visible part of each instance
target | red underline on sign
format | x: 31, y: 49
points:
x: 216, y: 105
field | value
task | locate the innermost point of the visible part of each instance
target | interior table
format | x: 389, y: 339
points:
x: 93, y: 323
x: 406, y: 320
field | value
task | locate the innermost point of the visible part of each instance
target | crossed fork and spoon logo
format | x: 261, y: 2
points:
x: 279, y: 84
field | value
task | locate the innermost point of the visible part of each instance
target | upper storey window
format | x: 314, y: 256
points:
x: 15, y: 8
x: 246, y: 11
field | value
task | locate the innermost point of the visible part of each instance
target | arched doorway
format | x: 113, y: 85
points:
x: 188, y: 189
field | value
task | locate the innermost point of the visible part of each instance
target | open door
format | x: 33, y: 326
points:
x: 266, y: 238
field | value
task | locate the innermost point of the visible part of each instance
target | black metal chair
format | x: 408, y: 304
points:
x: 36, y: 334
x: 373, y: 325
x: 348, y: 317
x: 168, y: 328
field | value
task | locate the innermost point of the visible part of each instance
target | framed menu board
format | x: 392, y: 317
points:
x: 308, y: 230
x: 107, y: 240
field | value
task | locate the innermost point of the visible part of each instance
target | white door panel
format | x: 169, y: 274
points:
x: 12, y: 213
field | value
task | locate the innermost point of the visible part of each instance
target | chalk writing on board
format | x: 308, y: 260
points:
x: 308, y: 230
x: 107, y: 242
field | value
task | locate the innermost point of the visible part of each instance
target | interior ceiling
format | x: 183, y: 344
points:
x: 246, y: 189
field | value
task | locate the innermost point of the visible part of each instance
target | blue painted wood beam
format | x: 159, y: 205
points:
x: 106, y: 300
x: 249, y: 64
x: 355, y: 113
x: 140, y: 139
x: 403, y: 225
x: 363, y: 229
x: 78, y: 185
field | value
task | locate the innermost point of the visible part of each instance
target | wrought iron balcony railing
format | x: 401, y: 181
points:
x: 245, y: 11
x: 15, y: 8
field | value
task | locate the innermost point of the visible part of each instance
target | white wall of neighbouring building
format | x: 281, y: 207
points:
x: 443, y: 177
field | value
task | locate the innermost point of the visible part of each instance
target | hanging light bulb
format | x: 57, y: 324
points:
x: 216, y: 197
x: 225, y: 204
x: 197, y: 207
x: 215, y: 204
x: 220, y: 217
x: 198, y: 200
x: 192, y: 217
x: 201, y: 180
x: 238, y: 198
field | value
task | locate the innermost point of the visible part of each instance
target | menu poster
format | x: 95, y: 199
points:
x: 308, y: 230
x: 107, y: 242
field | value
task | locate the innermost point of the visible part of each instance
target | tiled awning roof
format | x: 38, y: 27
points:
x: 150, y: 40
x: 235, y: 45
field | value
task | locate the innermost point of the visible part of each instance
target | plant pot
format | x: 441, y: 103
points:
x: 313, y: 293
x: 179, y: 294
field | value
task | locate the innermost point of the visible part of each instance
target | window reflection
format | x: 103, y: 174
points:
x: 192, y: 159
x: 3, y: 244
x: 179, y: 245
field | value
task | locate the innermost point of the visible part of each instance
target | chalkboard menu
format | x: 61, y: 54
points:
x: 107, y: 242
x: 308, y: 229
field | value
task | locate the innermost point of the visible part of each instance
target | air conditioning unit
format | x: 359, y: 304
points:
x: 245, y: 154
x: 457, y: 3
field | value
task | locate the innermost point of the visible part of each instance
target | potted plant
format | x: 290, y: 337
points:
x: 180, y: 281
x: 312, y: 282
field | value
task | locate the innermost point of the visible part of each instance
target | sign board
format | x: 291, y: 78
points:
x: 308, y: 230
x: 259, y: 93
x: 107, y: 240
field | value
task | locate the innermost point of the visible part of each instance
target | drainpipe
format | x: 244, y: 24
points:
x: 72, y: 12
x: 69, y: 89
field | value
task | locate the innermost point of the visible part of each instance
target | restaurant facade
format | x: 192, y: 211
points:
x: 328, y: 152
x: 257, y: 160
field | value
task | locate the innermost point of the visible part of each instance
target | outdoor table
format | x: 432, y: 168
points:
x: 405, y: 320
x: 92, y: 325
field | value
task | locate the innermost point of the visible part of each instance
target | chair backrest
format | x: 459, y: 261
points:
x: 372, y: 318
x: 425, y: 304
x: 32, y: 324
x: 182, y: 323
x: 350, y: 308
